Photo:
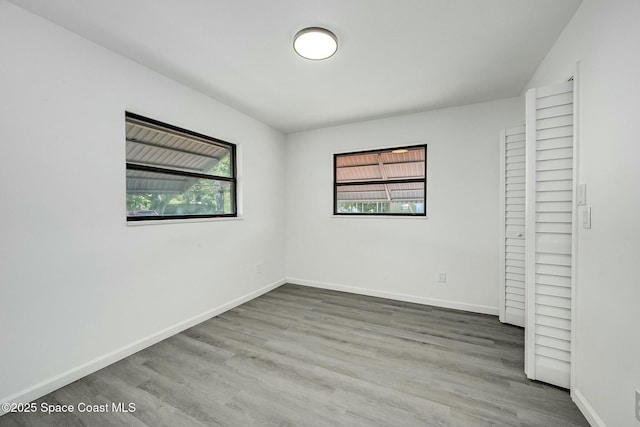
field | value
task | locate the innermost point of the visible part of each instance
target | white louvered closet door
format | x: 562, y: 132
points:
x: 549, y: 225
x: 512, y: 231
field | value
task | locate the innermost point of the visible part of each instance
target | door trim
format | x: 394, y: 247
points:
x: 502, y: 226
x: 530, y: 233
x: 575, y: 229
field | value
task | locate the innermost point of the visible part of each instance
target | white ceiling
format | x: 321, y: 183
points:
x: 394, y: 56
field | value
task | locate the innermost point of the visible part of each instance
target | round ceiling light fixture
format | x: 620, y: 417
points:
x: 315, y: 43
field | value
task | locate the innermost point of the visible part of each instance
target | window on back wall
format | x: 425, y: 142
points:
x: 173, y: 173
x: 391, y: 182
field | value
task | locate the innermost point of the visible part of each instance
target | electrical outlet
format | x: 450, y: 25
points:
x: 638, y: 404
x: 442, y: 278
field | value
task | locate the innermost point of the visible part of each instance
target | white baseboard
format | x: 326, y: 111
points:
x: 47, y: 386
x: 587, y: 410
x: 475, y: 308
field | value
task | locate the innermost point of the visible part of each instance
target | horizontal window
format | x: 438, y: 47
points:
x: 381, y: 182
x: 175, y: 173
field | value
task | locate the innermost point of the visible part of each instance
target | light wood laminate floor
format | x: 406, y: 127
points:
x: 301, y: 356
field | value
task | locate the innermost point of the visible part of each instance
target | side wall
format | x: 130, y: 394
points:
x: 604, y: 35
x: 401, y: 257
x: 79, y: 287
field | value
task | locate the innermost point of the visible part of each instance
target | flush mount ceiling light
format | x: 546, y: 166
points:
x: 315, y: 43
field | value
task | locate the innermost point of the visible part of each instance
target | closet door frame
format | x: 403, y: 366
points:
x: 501, y: 234
x: 576, y: 224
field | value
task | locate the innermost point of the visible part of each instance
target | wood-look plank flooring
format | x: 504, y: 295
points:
x: 301, y: 356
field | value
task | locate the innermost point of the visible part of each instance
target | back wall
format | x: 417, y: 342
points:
x: 402, y: 257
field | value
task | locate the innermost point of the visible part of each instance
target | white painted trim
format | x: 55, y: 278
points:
x: 182, y: 221
x: 47, y: 386
x: 587, y: 410
x: 530, y: 235
x: 574, y: 231
x: 412, y: 217
x: 475, y: 308
x: 501, y: 230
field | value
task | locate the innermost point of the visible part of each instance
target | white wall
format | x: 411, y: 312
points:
x: 77, y: 283
x: 604, y: 36
x: 401, y: 257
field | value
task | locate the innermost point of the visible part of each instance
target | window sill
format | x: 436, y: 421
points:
x: 413, y: 217
x: 182, y: 221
